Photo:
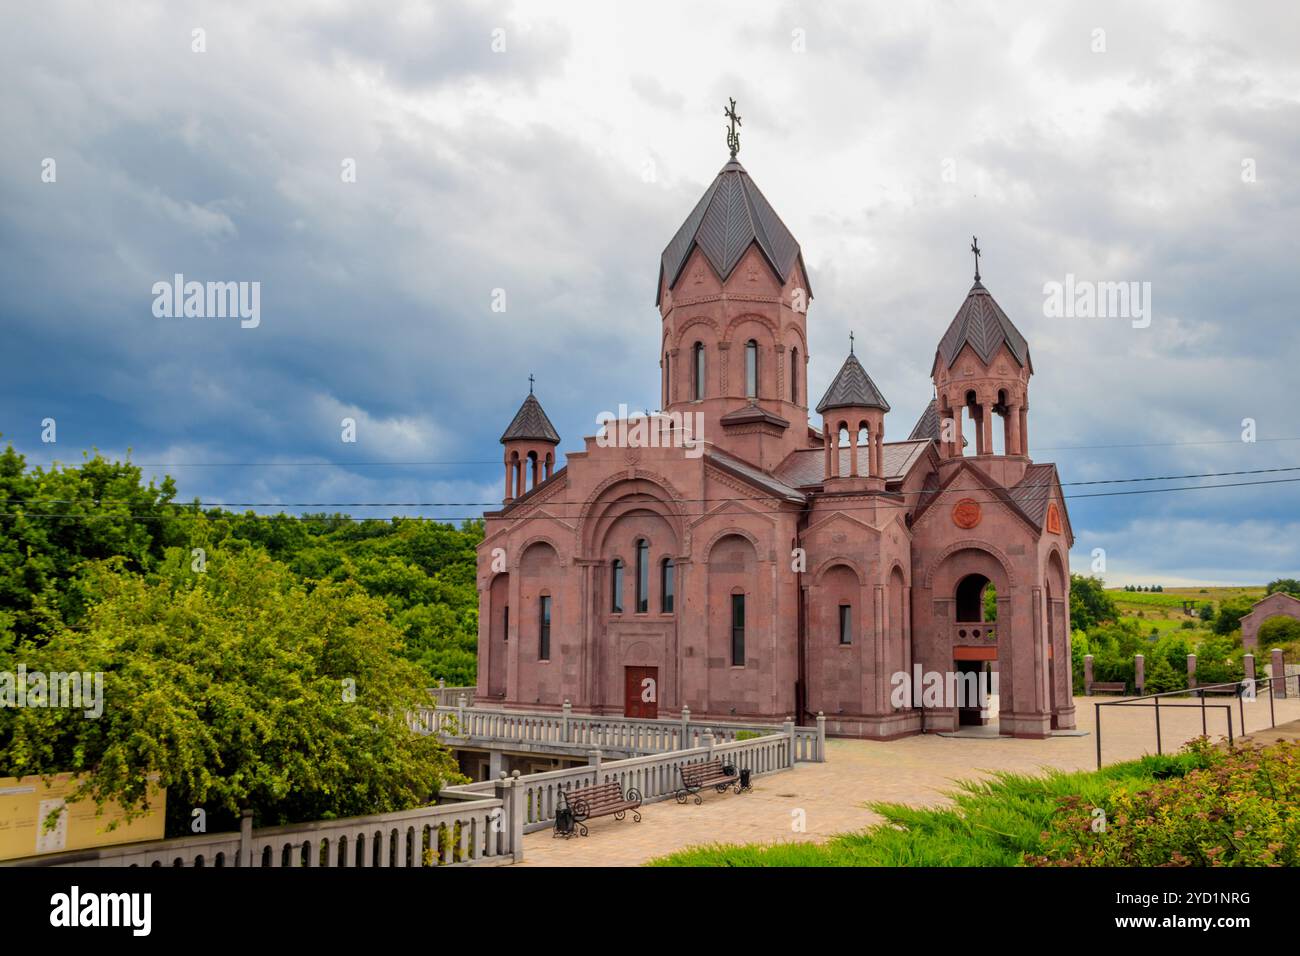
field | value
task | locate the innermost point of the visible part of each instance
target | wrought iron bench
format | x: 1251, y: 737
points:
x: 602, y: 799
x: 701, y: 776
x: 1109, y: 687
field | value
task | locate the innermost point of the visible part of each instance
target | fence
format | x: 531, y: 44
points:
x: 656, y: 777
x: 581, y: 732
x: 461, y: 833
x: 1246, y: 691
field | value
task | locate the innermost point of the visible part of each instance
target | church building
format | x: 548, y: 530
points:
x: 729, y: 555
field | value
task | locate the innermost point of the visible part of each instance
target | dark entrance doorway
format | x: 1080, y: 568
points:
x: 641, y: 692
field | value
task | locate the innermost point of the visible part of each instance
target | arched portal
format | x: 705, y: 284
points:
x: 981, y: 648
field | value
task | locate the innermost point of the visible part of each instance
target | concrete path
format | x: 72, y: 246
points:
x: 914, y: 770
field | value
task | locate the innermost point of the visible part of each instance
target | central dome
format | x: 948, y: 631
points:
x: 732, y: 215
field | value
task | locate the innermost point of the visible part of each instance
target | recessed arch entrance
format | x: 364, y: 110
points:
x: 971, y: 588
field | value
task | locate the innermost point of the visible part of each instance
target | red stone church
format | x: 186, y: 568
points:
x: 749, y: 563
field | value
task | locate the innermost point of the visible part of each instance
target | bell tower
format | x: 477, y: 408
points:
x: 853, y: 409
x: 981, y: 374
x: 530, y: 443
x: 733, y: 297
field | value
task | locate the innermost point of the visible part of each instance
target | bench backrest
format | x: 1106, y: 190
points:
x: 597, y: 794
x: 701, y: 771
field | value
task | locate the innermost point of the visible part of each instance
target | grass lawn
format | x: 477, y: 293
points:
x: 992, y: 823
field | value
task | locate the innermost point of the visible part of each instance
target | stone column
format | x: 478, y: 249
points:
x: 986, y: 429
x: 1191, y: 671
x: 496, y: 764
x: 685, y: 742
x: 246, y: 839
x: 1139, y: 672
x: 1013, y: 431
x: 1087, y: 675
x: 878, y: 468
x: 957, y: 449
x: 1024, y: 430
x: 509, y: 480
x: 788, y: 729
x: 1279, y: 672
x: 566, y: 713
x: 821, y: 736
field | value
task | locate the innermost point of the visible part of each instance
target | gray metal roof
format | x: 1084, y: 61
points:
x: 731, y: 215
x: 927, y: 426
x: 981, y: 324
x: 531, y: 424
x: 852, y: 388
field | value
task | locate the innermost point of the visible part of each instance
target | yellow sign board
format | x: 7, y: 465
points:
x: 25, y: 803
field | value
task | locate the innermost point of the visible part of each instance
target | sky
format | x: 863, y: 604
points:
x: 388, y: 173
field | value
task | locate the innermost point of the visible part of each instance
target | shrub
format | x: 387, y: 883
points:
x: 1238, y: 809
x: 1277, y: 631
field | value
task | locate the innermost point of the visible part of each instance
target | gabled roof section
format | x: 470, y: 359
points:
x: 929, y: 496
x: 531, y: 424
x: 981, y: 324
x: 852, y: 387
x: 760, y: 479
x: 732, y: 215
x: 1036, y: 488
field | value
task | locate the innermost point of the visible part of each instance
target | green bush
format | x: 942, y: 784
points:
x: 1277, y: 631
x: 1239, y: 809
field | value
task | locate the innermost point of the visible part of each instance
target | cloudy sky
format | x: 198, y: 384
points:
x: 552, y: 149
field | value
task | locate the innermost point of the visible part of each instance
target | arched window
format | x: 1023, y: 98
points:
x: 751, y: 369
x: 616, y: 589
x: 642, y: 576
x: 794, y: 376
x: 697, y: 372
x: 667, y: 572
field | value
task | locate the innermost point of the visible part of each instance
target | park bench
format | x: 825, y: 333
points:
x: 701, y: 776
x: 1109, y: 687
x: 599, y: 800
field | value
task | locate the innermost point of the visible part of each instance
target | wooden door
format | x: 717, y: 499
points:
x: 641, y: 692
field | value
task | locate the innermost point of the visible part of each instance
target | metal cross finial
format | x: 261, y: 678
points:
x: 733, y: 138
x: 530, y: 383
x: 850, y: 341
x: 975, y: 248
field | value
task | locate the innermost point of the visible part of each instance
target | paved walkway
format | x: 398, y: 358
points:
x: 914, y: 770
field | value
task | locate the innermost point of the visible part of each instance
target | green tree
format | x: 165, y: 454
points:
x: 1231, y: 611
x: 1277, y: 631
x: 1286, y: 585
x: 235, y: 688
x: 1089, y: 603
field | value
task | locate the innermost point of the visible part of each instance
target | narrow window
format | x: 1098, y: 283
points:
x: 738, y: 630
x: 505, y: 621
x: 544, y: 629
x: 794, y: 376
x: 751, y: 369
x: 642, y: 576
x: 668, y: 378
x: 846, y: 624
x: 667, y: 571
x: 697, y: 373
x: 616, y: 598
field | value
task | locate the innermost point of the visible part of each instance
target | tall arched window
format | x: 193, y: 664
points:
x: 697, y: 372
x: 751, y: 369
x: 794, y: 376
x: 616, y: 588
x: 667, y: 585
x: 642, y: 576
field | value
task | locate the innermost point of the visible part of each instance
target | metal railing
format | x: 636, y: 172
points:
x: 1246, y: 691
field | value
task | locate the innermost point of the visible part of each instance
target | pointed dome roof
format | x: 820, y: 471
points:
x: 981, y: 324
x: 731, y: 215
x: 852, y: 388
x: 927, y: 426
x: 531, y: 424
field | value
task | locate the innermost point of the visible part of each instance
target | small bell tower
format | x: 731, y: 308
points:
x: 853, y: 405
x: 530, y: 444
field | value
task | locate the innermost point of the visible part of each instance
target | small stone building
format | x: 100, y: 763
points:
x: 1277, y: 604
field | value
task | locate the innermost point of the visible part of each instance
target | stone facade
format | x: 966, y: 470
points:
x: 1277, y: 604
x: 727, y: 556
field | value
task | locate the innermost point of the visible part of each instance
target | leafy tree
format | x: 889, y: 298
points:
x: 1231, y: 611
x: 1286, y: 585
x: 233, y: 687
x: 1089, y: 603
x: 1206, y: 612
